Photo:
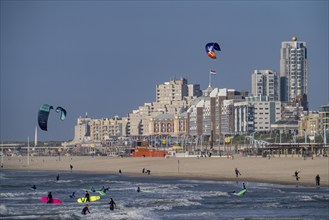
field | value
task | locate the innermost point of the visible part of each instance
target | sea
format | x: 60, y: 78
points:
x: 160, y: 198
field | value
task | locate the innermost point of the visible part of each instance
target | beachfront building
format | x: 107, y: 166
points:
x: 309, y: 125
x: 294, y: 73
x: 324, y: 119
x: 165, y: 125
x: 265, y: 112
x: 105, y: 129
x: 199, y: 117
x: 266, y: 83
x: 172, y: 97
x: 244, y: 113
x: 211, y: 117
x: 82, y: 130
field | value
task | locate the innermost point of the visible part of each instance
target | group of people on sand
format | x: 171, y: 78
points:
x: 146, y: 171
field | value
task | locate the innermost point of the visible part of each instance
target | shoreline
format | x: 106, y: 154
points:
x: 277, y: 170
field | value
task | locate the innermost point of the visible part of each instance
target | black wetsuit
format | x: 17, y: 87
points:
x: 112, y: 204
x: 50, y: 198
x: 85, y: 210
x: 72, y: 195
x: 317, y: 180
x: 87, y: 196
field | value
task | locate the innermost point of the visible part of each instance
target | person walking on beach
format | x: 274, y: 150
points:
x: 237, y: 172
x: 296, y: 175
x: 85, y: 210
x: 317, y: 180
x: 71, y: 167
x: 112, y: 204
x: 50, y: 198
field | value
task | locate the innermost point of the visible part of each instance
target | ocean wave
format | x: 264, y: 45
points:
x: 3, y: 176
x: 21, y: 194
x: 42, y: 217
x: 304, y: 198
x: 3, y: 209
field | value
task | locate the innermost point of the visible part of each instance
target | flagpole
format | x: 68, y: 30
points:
x: 1, y: 154
x: 28, y: 150
x: 210, y: 78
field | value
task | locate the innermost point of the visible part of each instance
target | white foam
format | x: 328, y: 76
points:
x: 3, y: 209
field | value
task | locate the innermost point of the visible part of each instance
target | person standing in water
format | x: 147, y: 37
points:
x: 138, y: 189
x: 34, y: 187
x: 87, y: 197
x: 85, y: 210
x: 50, y: 198
x: 112, y: 204
x: 57, y: 178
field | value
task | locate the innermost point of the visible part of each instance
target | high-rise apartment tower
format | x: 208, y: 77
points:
x: 266, y: 83
x: 294, y: 73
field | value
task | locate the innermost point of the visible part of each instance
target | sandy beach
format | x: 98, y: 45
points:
x: 253, y: 169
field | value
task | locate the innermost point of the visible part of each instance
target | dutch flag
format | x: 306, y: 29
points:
x: 213, y: 72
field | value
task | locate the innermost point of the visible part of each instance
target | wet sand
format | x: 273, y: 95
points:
x: 253, y: 169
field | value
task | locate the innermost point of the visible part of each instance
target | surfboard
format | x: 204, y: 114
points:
x: 92, y: 199
x: 242, y: 192
x: 100, y: 192
x: 55, y: 201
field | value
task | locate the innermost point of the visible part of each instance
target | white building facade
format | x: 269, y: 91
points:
x: 294, y: 72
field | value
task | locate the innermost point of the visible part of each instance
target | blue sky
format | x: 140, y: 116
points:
x: 106, y: 57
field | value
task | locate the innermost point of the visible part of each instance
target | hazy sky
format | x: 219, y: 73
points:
x: 106, y: 57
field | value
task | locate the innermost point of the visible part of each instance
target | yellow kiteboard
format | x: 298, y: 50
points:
x: 92, y: 199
